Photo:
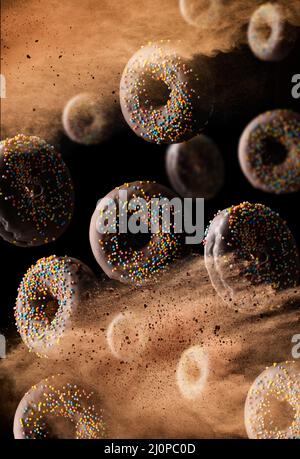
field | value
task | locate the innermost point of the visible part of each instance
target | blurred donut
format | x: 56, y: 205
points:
x: 84, y: 120
x: 249, y: 245
x: 127, y: 257
x: 192, y: 372
x: 198, y: 12
x: 158, y: 97
x: 269, y: 152
x: 272, y: 409
x: 270, y: 35
x: 195, y: 168
x: 48, y: 298
x: 36, y: 192
x: 58, y: 409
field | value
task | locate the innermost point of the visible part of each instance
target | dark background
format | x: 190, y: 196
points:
x: 244, y: 87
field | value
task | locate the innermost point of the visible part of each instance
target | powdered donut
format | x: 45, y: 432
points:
x: 269, y: 152
x: 58, y: 409
x: 157, y: 96
x: 272, y: 409
x: 48, y: 297
x: 36, y: 192
x: 128, y: 257
x: 270, y: 35
x: 250, y: 245
x: 195, y: 168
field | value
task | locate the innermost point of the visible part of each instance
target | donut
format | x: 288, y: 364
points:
x: 269, y: 152
x: 158, y: 97
x: 58, y: 409
x: 249, y: 246
x: 192, y: 372
x: 84, y: 120
x: 127, y: 257
x: 272, y: 408
x: 195, y: 168
x: 36, y: 192
x: 48, y: 298
x: 198, y: 12
x: 270, y: 36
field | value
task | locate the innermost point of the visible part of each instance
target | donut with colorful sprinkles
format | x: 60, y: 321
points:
x: 134, y: 258
x: 36, y: 192
x: 48, y: 297
x: 272, y: 409
x: 83, y: 119
x: 55, y: 409
x: 269, y: 152
x: 248, y: 247
x: 158, y: 97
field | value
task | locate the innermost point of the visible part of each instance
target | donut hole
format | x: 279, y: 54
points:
x: 46, y: 306
x: 263, y: 31
x: 59, y: 427
x: 192, y: 370
x: 274, y: 152
x: 279, y: 414
x: 154, y: 93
